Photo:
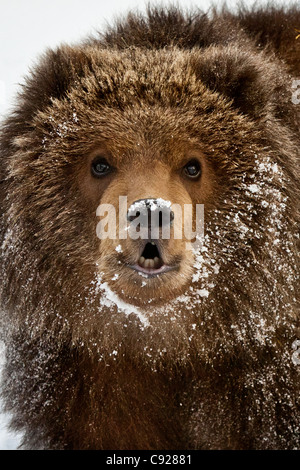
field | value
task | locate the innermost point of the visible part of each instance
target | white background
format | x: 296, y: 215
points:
x: 27, y: 28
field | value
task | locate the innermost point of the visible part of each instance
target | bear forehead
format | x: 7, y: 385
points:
x: 120, y: 78
x: 134, y: 98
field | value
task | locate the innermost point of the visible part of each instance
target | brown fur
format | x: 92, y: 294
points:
x: 198, y: 358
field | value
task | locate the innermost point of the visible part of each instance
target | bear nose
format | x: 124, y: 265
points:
x: 156, y: 211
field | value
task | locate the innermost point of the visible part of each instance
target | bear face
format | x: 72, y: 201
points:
x: 146, y: 128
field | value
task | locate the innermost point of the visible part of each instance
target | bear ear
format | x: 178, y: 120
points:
x: 51, y: 78
x: 242, y: 77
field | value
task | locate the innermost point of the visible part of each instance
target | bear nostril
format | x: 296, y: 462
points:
x: 165, y: 217
x: 132, y: 217
x: 171, y: 216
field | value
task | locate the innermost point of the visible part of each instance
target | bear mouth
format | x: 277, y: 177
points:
x: 151, y: 262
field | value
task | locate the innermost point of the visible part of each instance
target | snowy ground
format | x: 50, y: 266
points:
x: 26, y: 30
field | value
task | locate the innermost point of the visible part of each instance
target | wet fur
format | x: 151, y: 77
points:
x: 212, y: 371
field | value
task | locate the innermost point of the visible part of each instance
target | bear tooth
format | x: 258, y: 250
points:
x: 149, y: 262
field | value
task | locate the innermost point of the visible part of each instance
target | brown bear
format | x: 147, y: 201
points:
x: 156, y: 342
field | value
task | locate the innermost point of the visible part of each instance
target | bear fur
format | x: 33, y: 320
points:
x: 204, y: 357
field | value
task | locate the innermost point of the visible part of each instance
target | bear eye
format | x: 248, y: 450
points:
x: 192, y: 169
x: 100, y: 167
